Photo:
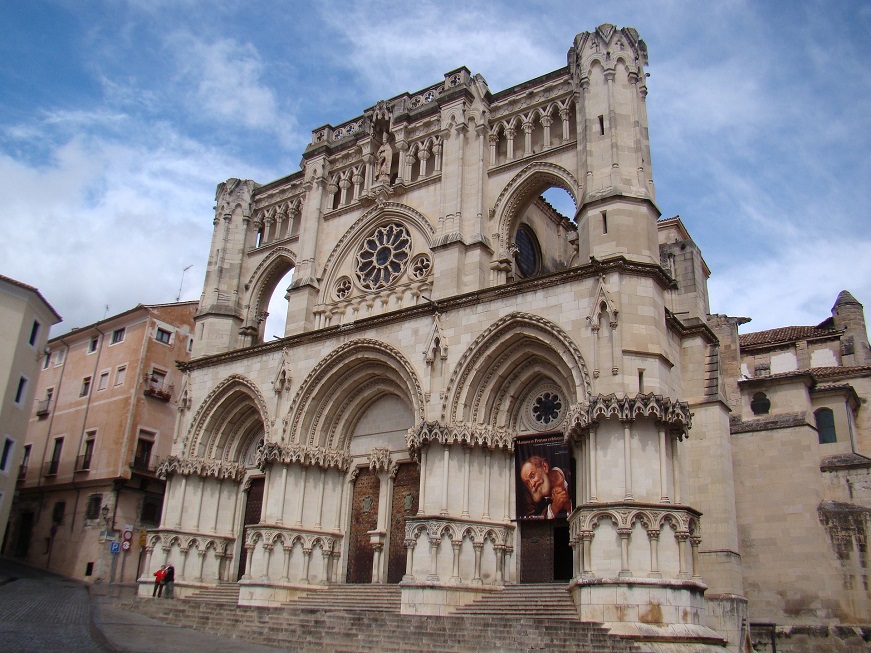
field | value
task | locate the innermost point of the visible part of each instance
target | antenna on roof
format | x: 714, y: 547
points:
x: 106, y: 312
x: 178, y: 296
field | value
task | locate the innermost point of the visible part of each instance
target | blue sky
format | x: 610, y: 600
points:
x: 119, y: 118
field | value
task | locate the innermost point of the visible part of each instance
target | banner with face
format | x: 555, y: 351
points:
x: 544, y: 481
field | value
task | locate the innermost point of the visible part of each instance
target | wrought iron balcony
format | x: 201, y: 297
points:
x: 147, y: 463
x: 43, y: 408
x: 157, y: 388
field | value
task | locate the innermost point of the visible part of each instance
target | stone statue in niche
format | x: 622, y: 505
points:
x: 383, y: 161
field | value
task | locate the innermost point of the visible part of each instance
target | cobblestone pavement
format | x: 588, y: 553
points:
x: 43, y: 613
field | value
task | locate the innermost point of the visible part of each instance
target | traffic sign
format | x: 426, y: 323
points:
x: 128, y: 535
x: 114, y: 547
x: 125, y: 545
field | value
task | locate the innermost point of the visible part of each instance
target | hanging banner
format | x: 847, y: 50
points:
x: 543, y: 478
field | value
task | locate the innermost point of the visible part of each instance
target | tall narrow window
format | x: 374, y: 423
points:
x: 55, y: 457
x: 6, y: 454
x: 120, y: 374
x: 92, y: 507
x: 604, y: 222
x: 104, y: 381
x: 92, y: 346
x: 34, y: 333
x: 825, y: 420
x: 86, y: 386
x: 88, y: 452
x: 118, y: 336
x: 46, y: 361
x: 144, y: 445
x: 25, y: 461
x: 602, y: 125
x: 19, y: 393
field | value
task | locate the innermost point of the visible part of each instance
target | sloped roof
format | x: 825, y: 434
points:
x: 785, y: 335
x: 35, y: 291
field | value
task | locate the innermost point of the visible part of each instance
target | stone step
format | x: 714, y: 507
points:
x: 350, y: 631
x: 542, y: 600
x: 223, y: 593
x: 378, y: 598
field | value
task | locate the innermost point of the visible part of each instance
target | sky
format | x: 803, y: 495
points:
x: 119, y: 118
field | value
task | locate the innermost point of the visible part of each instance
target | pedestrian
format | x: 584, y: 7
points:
x: 158, y: 581
x: 169, y: 580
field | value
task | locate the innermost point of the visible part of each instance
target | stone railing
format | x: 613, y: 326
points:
x: 490, y: 545
x: 300, y: 547
x: 631, y: 521
x: 176, y: 547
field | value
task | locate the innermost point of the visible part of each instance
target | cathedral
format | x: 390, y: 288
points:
x: 474, y: 390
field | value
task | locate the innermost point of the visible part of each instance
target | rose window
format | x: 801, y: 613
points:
x: 343, y: 287
x: 421, y: 266
x: 383, y: 256
x: 547, y: 407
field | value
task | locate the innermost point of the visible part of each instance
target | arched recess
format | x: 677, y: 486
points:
x: 523, y: 189
x: 260, y: 287
x: 422, y: 235
x: 231, y: 417
x: 343, y: 386
x: 510, y: 358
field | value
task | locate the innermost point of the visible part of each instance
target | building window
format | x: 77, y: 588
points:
x: 54, y: 463
x: 19, y: 393
x: 163, y: 336
x: 120, y: 374
x: 86, y: 386
x: 34, y: 333
x: 150, y: 512
x: 6, y: 455
x: 825, y: 420
x: 46, y: 361
x: 92, y: 508
x: 61, y: 356
x: 118, y: 336
x: 88, y: 452
x: 22, y: 469
x: 92, y: 346
x: 144, y: 445
x: 58, y: 511
x: 104, y: 381
x: 760, y: 404
x: 527, y: 252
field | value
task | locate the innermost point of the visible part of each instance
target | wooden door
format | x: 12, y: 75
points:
x: 406, y: 491
x: 364, y: 518
x: 253, y: 510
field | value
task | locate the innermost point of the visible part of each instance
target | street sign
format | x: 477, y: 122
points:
x: 128, y: 535
x: 125, y: 545
x: 114, y: 547
x: 142, y: 537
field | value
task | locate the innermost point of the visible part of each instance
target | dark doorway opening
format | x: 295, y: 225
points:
x: 25, y: 532
x: 253, y: 509
x: 545, y: 553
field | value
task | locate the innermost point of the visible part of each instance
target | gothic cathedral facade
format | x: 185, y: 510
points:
x: 473, y: 389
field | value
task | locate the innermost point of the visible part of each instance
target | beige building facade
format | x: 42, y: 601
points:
x: 102, y: 422
x: 474, y: 388
x: 25, y: 320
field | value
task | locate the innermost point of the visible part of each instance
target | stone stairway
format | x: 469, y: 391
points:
x: 225, y: 593
x: 374, y: 598
x: 319, y: 623
x: 544, y: 601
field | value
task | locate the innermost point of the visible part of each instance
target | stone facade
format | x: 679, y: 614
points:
x: 443, y: 316
x: 25, y: 320
x: 103, y: 420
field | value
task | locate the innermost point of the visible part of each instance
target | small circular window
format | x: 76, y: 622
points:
x: 527, y: 251
x: 383, y: 256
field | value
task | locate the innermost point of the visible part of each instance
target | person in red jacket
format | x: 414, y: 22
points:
x: 159, y: 575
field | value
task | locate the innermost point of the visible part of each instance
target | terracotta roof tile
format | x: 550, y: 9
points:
x: 784, y: 335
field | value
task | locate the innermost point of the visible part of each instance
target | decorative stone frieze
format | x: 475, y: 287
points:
x: 203, y: 467
x: 306, y: 455
x: 675, y: 414
x: 481, y: 435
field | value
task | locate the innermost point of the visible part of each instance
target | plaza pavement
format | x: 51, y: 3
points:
x: 42, y: 612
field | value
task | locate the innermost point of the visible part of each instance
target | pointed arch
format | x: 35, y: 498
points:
x: 342, y: 386
x: 512, y: 355
x: 526, y: 185
x: 261, y: 284
x: 230, y: 417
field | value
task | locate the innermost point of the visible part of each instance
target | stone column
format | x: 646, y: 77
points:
x: 624, y: 534
x: 695, y: 541
x: 202, y: 555
x: 487, y: 456
x: 467, y: 450
x: 663, y: 465
x: 593, y: 446
x: 200, y: 504
x: 681, y: 553
x: 301, y: 498
x: 214, y: 528
x: 184, y: 486
x: 455, y: 576
x: 446, y: 460
x: 282, y: 495
x: 479, y: 547
x: 409, y: 560
x: 433, y: 576
x: 627, y: 460
x: 320, y: 501
x: 653, y: 537
x: 422, y: 499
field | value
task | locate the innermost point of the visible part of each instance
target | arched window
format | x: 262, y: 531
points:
x: 528, y: 257
x: 825, y: 420
x: 760, y: 404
